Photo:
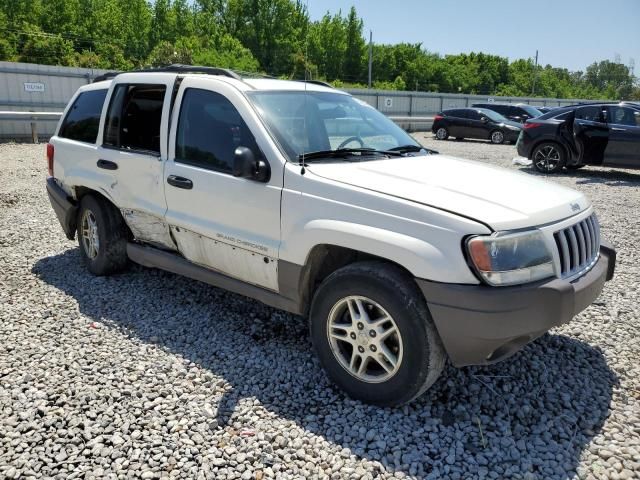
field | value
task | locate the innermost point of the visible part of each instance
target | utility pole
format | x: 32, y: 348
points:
x: 370, y: 55
x: 535, y: 74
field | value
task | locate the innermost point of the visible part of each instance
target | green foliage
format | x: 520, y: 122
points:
x: 275, y: 37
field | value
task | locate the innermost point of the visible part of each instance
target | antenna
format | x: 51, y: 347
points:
x: 304, y: 111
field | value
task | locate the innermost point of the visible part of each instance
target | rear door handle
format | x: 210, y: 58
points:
x: 180, y: 182
x: 107, y: 164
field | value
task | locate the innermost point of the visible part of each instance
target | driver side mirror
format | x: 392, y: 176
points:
x: 484, y: 120
x: 245, y: 165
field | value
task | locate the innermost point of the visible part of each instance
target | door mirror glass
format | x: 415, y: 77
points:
x: 484, y: 120
x: 245, y: 165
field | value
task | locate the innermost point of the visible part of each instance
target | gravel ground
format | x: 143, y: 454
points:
x: 150, y: 375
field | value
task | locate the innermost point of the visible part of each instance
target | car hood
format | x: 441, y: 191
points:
x: 498, y: 197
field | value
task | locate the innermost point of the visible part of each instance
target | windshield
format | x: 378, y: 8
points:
x: 305, y: 122
x: 495, y: 116
x: 532, y: 111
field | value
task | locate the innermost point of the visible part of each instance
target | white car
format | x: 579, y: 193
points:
x: 311, y: 201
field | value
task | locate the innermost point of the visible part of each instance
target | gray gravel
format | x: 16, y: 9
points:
x: 150, y: 375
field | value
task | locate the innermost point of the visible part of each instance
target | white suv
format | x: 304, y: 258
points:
x: 311, y: 201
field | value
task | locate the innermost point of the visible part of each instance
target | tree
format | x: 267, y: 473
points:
x: 610, y: 77
x: 355, y: 47
x: 47, y: 49
x: 272, y: 29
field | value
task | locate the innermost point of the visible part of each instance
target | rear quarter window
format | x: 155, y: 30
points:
x: 83, y: 118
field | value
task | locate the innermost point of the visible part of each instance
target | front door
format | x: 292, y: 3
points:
x: 131, y: 152
x: 623, y: 149
x: 226, y: 223
x: 591, y: 134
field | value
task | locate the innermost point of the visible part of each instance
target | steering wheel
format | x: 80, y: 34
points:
x: 352, y: 139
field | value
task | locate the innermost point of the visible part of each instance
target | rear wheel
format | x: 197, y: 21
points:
x: 102, y: 236
x: 373, y: 334
x: 442, y: 133
x: 548, y: 157
x: 497, y: 137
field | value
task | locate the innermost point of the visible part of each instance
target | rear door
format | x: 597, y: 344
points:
x: 591, y: 134
x: 457, y: 122
x: 226, y: 223
x: 132, y: 152
x: 623, y: 148
x: 475, y: 127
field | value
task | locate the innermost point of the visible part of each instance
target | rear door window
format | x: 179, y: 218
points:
x: 591, y: 113
x: 457, y: 113
x: 134, y: 117
x: 83, y: 118
x: 473, y: 115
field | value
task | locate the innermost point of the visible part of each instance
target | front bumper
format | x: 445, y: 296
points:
x: 65, y: 209
x: 480, y: 325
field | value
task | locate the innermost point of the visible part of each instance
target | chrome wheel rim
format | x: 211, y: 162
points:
x: 365, y: 339
x: 89, y: 232
x: 441, y: 133
x: 547, y: 158
x: 497, y: 137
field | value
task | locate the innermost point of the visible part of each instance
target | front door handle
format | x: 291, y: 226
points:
x: 615, y: 129
x: 180, y: 182
x: 107, y: 164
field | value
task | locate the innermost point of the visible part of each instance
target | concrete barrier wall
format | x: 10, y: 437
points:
x: 45, y: 88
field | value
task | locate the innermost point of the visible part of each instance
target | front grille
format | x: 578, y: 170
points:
x: 578, y: 246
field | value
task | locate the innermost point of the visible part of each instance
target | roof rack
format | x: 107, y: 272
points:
x: 177, y: 68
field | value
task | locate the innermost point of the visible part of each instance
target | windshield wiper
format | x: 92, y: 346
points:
x: 411, y: 149
x: 346, y: 152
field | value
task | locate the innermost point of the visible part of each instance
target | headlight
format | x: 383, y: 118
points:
x: 511, y: 258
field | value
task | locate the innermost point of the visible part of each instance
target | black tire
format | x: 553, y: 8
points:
x: 110, y: 256
x: 548, y: 157
x: 442, y: 133
x: 422, y: 358
x: 497, y: 137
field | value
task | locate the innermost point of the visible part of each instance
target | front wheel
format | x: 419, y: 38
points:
x: 373, y: 334
x: 548, y: 157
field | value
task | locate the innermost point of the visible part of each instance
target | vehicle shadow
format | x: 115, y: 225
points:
x: 528, y: 417
x: 591, y: 175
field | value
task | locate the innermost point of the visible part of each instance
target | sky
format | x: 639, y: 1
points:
x: 567, y: 33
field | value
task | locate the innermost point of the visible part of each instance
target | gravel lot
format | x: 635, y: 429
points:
x: 151, y: 375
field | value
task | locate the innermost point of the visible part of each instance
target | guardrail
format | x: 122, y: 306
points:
x: 31, y: 117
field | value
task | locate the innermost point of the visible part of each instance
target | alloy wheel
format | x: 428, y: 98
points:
x: 547, y: 158
x: 497, y: 137
x: 441, y: 133
x: 89, y: 232
x: 364, y: 339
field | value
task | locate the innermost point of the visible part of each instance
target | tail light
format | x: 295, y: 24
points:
x: 528, y: 125
x: 438, y: 117
x: 50, y: 150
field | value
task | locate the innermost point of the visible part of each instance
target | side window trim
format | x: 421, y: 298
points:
x: 119, y: 147
x: 65, y: 121
x: 177, y: 158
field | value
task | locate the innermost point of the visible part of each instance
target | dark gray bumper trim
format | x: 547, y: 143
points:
x: 66, y: 210
x: 480, y: 324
